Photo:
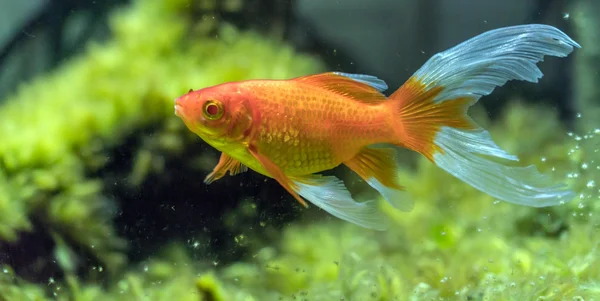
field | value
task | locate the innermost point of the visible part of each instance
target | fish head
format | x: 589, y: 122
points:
x: 219, y: 112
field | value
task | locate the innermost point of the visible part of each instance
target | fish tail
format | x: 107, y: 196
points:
x: 432, y: 110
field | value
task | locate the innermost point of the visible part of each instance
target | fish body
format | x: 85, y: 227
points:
x: 291, y: 130
x: 305, y: 128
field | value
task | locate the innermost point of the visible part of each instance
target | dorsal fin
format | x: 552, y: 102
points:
x: 370, y: 80
x: 363, y: 88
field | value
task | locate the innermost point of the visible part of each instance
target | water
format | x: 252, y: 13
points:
x: 101, y: 192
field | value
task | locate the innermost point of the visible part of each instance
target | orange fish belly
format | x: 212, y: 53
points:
x: 305, y: 129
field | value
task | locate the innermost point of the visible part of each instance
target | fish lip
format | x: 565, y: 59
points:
x: 178, y: 108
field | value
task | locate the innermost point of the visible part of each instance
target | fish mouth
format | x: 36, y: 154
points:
x: 178, y: 108
x: 178, y: 111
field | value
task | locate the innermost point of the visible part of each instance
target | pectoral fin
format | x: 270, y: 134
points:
x: 276, y: 173
x: 226, y: 163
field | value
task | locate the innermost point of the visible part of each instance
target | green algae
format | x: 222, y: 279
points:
x: 457, y: 244
x: 60, y: 128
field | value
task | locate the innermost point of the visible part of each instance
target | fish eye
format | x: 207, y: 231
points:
x: 213, y: 109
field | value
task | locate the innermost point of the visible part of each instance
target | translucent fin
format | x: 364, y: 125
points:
x: 397, y: 197
x: 475, y: 67
x: 226, y: 163
x: 364, y: 90
x: 432, y: 108
x: 370, y: 80
x: 330, y: 194
x: 517, y: 185
x: 378, y: 167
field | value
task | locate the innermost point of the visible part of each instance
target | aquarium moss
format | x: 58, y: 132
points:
x: 58, y: 131
x: 58, y: 134
x: 457, y: 244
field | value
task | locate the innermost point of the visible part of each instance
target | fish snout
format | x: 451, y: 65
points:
x: 178, y: 107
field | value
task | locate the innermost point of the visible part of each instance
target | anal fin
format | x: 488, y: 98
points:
x: 328, y: 193
x: 378, y: 167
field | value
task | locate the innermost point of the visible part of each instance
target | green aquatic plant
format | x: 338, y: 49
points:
x: 58, y: 131
x: 457, y: 244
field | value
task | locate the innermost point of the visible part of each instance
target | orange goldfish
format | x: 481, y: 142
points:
x: 290, y: 130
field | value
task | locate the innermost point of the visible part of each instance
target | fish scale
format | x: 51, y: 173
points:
x: 292, y: 130
x: 304, y: 129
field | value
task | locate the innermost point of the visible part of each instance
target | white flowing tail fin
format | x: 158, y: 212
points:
x: 432, y: 107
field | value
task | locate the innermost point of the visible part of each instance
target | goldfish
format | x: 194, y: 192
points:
x: 291, y: 130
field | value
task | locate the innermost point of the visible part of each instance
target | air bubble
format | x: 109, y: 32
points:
x: 591, y: 184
